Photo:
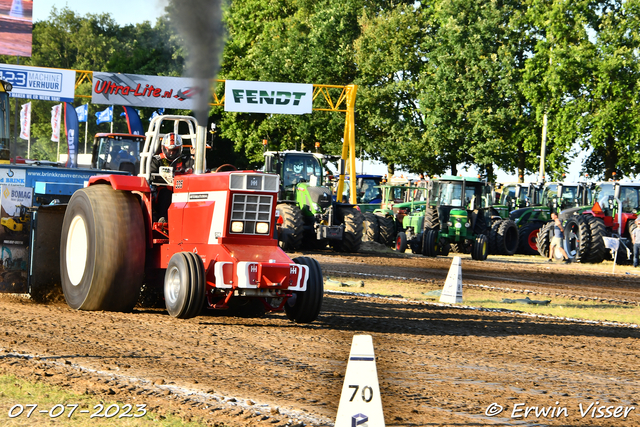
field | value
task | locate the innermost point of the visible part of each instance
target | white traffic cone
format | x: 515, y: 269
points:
x: 452, y: 290
x: 360, y: 403
x: 16, y: 9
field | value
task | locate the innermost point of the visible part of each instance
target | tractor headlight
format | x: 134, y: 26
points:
x: 458, y: 225
x: 449, y: 223
x: 467, y: 224
x: 262, y: 227
x: 237, y: 226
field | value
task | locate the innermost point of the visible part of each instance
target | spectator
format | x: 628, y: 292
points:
x: 635, y: 239
x: 556, y: 241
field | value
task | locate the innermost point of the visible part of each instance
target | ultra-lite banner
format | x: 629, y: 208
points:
x: 45, y: 84
x: 143, y: 91
x: 270, y: 98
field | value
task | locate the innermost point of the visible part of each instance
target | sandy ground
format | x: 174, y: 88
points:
x: 15, y: 33
x: 436, y: 365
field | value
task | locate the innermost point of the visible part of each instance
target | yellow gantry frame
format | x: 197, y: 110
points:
x: 345, y: 103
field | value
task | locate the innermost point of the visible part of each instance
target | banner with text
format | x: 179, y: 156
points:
x: 56, y: 113
x: 269, y: 98
x: 137, y: 90
x: 45, y: 84
x: 25, y: 121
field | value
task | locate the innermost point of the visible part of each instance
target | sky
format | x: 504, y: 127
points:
x: 136, y: 11
x: 123, y: 11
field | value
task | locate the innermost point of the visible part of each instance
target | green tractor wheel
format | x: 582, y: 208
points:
x: 480, y: 248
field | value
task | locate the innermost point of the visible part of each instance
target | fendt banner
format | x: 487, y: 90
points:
x: 137, y: 90
x: 44, y: 84
x: 270, y: 98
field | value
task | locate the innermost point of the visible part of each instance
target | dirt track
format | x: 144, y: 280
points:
x: 436, y: 365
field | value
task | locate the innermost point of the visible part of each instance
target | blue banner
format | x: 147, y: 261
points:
x: 71, y: 127
x: 105, y: 116
x: 83, y: 113
x: 158, y: 112
x: 133, y: 121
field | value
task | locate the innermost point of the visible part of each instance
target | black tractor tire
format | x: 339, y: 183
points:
x: 528, y: 238
x: 544, y: 239
x: 596, y: 249
x: 482, y: 225
x: 492, y: 238
x: 184, y: 285
x: 371, y: 231
x: 292, y: 227
x: 387, y: 230
x: 577, y: 238
x: 102, y: 249
x: 444, y: 247
x: 480, y: 248
x: 507, y: 237
x: 304, y: 307
x: 401, y: 242
x: 353, y: 221
x: 431, y: 220
x: 430, y: 243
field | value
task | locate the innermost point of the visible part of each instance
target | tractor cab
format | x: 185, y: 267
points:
x: 115, y: 151
x: 458, y: 197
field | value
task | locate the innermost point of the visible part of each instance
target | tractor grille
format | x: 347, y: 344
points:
x: 253, y: 181
x: 251, y: 209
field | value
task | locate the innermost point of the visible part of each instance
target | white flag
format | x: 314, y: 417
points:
x: 56, y: 112
x: 25, y: 121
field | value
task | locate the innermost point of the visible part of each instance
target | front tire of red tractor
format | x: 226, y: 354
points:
x: 371, y: 231
x: 291, y: 228
x: 401, y: 242
x: 528, y: 238
x: 184, y: 285
x: 387, y: 230
x: 102, y: 250
x: 306, y: 306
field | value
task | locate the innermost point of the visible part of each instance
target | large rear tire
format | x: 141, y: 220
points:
x: 371, y: 231
x: 102, y: 250
x: 291, y: 228
x: 493, y: 238
x: 544, y: 239
x: 577, y: 238
x: 528, y: 238
x: 184, y: 285
x: 507, y: 238
x: 304, y: 307
x: 431, y: 220
x: 387, y: 230
x: 353, y: 221
x: 597, y: 249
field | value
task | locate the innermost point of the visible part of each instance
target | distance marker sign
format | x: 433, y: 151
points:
x: 360, y: 403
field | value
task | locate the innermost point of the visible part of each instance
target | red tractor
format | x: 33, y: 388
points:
x: 211, y: 238
x: 612, y: 215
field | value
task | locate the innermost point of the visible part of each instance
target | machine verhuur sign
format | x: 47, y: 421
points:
x: 45, y: 84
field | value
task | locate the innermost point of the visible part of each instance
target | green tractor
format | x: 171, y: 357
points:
x: 534, y: 210
x: 460, y: 217
x: 306, y: 214
x: 383, y: 223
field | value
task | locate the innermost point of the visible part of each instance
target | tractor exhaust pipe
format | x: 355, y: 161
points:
x: 200, y: 161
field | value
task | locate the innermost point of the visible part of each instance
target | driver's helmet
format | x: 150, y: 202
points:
x: 172, y: 146
x: 297, y: 167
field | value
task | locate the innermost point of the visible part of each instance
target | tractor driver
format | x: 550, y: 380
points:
x: 171, y: 155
